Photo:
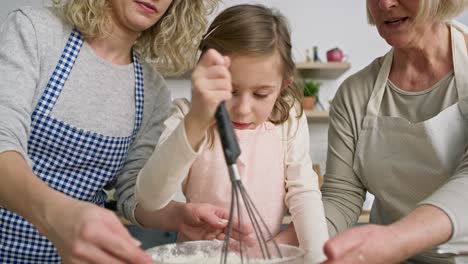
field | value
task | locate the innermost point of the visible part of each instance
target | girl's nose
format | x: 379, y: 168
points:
x: 242, y: 106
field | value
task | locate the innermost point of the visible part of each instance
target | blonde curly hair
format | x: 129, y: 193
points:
x: 170, y: 45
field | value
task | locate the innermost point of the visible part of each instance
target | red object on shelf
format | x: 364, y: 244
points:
x: 335, y: 55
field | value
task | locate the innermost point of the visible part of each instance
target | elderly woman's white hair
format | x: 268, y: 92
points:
x: 434, y: 10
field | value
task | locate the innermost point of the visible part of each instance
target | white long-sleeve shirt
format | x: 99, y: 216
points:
x: 170, y: 164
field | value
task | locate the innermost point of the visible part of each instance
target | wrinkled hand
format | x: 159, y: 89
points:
x: 85, y: 233
x: 365, y: 244
x: 202, y: 221
x: 211, y: 84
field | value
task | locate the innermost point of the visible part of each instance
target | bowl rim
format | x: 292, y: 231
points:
x: 300, y: 253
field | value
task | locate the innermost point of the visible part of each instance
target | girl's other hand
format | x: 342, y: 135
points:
x: 85, y: 233
x: 201, y: 221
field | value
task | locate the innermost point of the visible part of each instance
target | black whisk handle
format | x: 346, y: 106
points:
x: 231, y: 148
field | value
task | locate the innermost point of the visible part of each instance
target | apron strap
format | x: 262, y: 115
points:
x: 373, y: 107
x: 61, y: 72
x: 139, y: 93
x: 460, y: 62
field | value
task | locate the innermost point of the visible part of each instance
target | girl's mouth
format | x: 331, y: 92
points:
x: 240, y: 125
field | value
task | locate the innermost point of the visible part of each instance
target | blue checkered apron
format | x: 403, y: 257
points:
x: 73, y: 161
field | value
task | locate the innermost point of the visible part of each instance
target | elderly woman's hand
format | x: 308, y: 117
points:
x: 365, y: 244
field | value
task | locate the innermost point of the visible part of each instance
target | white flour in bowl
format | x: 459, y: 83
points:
x: 201, y: 259
x: 209, y: 252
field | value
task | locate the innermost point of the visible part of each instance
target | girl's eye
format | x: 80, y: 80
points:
x: 261, y: 95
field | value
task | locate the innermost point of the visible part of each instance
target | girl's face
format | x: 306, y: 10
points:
x: 394, y: 21
x: 256, y: 83
x: 138, y: 15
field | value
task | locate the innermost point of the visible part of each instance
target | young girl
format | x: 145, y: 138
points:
x: 254, y: 77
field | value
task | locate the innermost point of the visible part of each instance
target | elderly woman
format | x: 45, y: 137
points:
x: 399, y: 129
x: 81, y: 105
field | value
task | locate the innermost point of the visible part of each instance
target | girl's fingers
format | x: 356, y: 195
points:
x: 212, y: 66
x: 211, y: 72
x: 227, y: 61
x: 217, y: 72
x: 220, y: 85
x: 218, y: 92
x: 211, y: 57
x: 205, y: 87
x: 245, y: 229
x: 247, y: 240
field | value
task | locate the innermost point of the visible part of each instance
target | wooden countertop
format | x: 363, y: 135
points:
x: 363, y: 218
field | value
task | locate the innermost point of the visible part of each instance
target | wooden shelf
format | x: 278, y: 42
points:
x: 364, y: 217
x: 184, y: 76
x: 317, y: 116
x: 322, y: 70
x: 313, y: 70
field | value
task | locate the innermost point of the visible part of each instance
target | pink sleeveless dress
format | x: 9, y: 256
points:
x: 262, y: 170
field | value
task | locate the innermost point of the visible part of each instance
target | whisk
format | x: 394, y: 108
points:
x: 232, y: 151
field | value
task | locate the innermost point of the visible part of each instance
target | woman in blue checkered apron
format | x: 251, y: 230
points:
x: 81, y: 107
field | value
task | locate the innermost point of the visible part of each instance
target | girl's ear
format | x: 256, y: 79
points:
x: 287, y: 82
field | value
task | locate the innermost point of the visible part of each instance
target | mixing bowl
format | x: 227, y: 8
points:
x: 209, y: 252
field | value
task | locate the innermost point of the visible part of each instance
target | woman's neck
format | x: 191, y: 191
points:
x: 427, y: 60
x: 114, y: 47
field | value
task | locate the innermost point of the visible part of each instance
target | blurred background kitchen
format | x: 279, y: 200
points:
x: 318, y: 26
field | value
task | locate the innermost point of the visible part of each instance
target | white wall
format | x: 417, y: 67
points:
x: 8, y: 5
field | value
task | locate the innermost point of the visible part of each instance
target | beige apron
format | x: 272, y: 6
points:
x: 402, y: 163
x: 261, y: 166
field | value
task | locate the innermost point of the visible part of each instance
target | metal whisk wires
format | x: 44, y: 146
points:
x: 240, y: 196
